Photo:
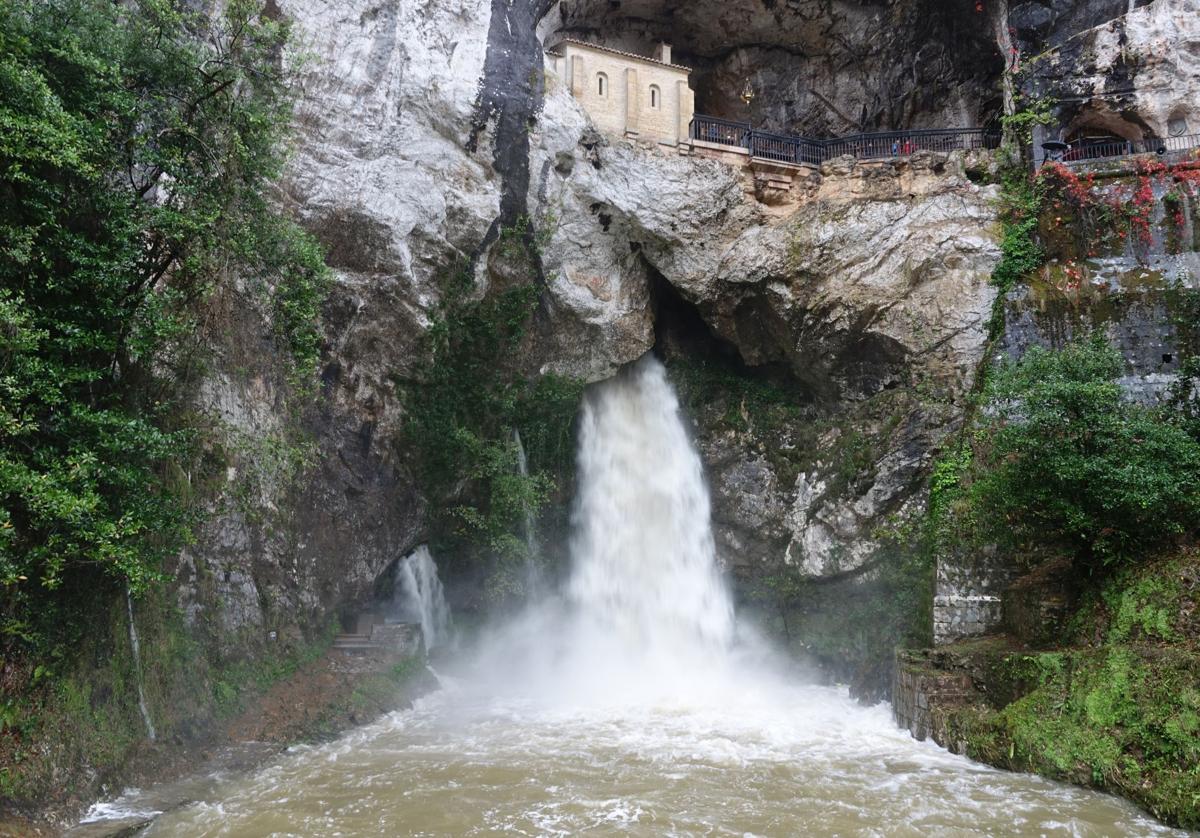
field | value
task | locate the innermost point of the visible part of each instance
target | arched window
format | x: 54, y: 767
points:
x: 655, y: 96
x: 601, y: 84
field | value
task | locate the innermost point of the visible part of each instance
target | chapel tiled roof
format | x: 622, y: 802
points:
x: 620, y: 52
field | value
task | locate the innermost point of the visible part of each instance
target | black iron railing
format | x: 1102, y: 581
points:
x: 1107, y: 148
x: 903, y: 143
x: 710, y: 129
x: 789, y: 149
x: 1172, y: 145
x: 783, y: 148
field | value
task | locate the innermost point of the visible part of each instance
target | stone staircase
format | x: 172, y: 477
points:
x: 375, y: 636
x: 354, y: 644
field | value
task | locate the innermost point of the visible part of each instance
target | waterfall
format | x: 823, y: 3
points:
x: 645, y: 569
x: 418, y: 597
x: 644, y: 618
x: 624, y: 706
x: 137, y: 666
x: 533, y: 571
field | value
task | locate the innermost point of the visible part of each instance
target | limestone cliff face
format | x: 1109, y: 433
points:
x: 426, y: 127
x: 1130, y: 69
x: 870, y: 279
x: 381, y: 174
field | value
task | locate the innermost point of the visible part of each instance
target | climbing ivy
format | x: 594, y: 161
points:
x: 462, y: 415
x: 1021, y: 252
x: 1030, y: 113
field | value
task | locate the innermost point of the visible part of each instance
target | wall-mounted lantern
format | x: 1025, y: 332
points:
x: 747, y: 93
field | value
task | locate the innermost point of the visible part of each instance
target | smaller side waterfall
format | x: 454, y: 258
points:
x: 137, y: 666
x: 533, y: 570
x: 418, y: 597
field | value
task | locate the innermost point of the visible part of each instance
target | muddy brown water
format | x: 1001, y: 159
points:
x: 798, y: 761
x: 634, y: 703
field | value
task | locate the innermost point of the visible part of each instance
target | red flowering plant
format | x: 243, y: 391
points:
x: 1173, y: 204
x: 1141, y: 213
x: 1187, y: 182
x: 1078, y: 220
x: 1069, y: 279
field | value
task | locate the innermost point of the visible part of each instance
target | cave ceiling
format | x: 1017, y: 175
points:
x: 816, y: 66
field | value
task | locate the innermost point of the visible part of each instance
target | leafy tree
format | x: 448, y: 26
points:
x: 138, y: 141
x: 1069, y: 460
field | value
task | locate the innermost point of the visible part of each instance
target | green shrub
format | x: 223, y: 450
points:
x: 1021, y: 251
x: 461, y: 419
x: 1069, y: 461
x: 138, y: 141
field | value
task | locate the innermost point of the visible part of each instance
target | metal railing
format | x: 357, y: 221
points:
x: 784, y: 149
x: 710, y: 129
x: 1173, y: 145
x: 894, y: 144
x: 1111, y: 148
x: 790, y: 149
x: 1093, y: 149
x: 891, y: 144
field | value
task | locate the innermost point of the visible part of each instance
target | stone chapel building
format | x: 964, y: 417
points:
x: 628, y: 94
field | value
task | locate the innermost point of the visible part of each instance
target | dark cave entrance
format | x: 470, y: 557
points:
x: 681, y: 335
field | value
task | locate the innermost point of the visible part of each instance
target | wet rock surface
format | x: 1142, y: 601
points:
x: 816, y: 68
x: 1112, y: 67
x: 427, y: 128
x: 845, y: 317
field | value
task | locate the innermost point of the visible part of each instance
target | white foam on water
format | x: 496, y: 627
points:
x: 119, y: 810
x: 629, y: 704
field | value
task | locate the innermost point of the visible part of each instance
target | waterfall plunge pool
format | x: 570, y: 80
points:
x: 796, y: 760
x: 633, y: 704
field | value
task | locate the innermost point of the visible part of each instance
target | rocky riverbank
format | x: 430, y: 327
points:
x: 301, y: 700
x: 1104, y: 692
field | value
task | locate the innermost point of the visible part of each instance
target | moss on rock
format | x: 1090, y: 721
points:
x: 1118, y: 709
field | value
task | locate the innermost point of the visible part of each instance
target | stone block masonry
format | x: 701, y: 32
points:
x: 968, y: 595
x: 922, y: 693
x: 628, y: 94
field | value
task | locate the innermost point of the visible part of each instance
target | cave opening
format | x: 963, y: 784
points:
x: 814, y: 68
x: 681, y: 334
x: 1096, y: 131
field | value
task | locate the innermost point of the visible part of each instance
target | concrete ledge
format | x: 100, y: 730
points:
x: 766, y: 164
x: 724, y: 149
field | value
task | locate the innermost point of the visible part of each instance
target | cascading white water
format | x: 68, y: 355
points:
x: 136, y: 646
x: 627, y: 706
x: 645, y: 617
x: 644, y: 558
x: 533, y: 571
x: 419, y: 598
